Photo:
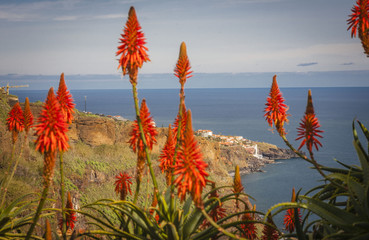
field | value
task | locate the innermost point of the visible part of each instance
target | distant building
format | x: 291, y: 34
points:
x: 256, y: 154
x: 204, y: 133
x: 238, y: 138
x: 119, y: 118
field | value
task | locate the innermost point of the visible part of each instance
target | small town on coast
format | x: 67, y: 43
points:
x: 232, y: 141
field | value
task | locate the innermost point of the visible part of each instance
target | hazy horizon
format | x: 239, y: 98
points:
x: 199, y: 80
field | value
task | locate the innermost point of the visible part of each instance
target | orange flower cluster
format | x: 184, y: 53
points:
x: 190, y: 167
x: 123, y: 185
x: 51, y: 134
x: 133, y: 50
x: 269, y: 232
x: 65, y: 100
x: 70, y: 214
x: 218, y: 212
x: 276, y: 110
x: 167, y: 155
x: 308, y: 130
x: 28, y: 117
x: 248, y: 229
x: 359, y: 18
x: 15, y: 121
x: 149, y: 130
x: 289, y: 219
x: 183, y: 67
x: 52, y: 128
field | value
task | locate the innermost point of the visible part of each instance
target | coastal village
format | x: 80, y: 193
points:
x: 232, y: 141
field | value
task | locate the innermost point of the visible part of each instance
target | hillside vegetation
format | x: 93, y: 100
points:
x: 100, y: 151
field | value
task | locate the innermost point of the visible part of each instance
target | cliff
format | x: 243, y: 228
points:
x: 99, y: 151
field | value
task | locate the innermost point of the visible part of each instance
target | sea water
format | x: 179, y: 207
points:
x: 240, y: 112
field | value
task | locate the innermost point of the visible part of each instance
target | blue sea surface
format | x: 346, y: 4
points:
x: 240, y: 112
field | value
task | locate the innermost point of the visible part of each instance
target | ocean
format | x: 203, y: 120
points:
x: 240, y: 112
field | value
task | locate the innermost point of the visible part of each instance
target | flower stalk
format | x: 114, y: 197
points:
x: 51, y: 138
x: 133, y: 54
x: 67, y: 107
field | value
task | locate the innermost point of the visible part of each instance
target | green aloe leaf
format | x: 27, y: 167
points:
x: 364, y: 225
x: 173, y: 234
x: 357, y: 191
x: 280, y: 207
x: 332, y: 214
x: 365, y: 131
x: 187, y: 206
x: 103, y: 225
x: 364, y: 236
x: 366, y: 204
x: 4, y: 221
x: 363, y: 157
x: 19, y: 201
x: 192, y: 222
x: 352, y: 168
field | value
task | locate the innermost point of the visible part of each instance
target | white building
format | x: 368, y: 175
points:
x: 204, y: 133
x: 256, y: 154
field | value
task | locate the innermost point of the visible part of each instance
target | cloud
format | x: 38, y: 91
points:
x: 306, y: 64
x: 109, y: 16
x: 66, y: 18
x: 28, y: 11
x: 50, y: 10
x: 347, y: 64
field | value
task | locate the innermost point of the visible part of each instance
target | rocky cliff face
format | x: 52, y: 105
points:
x: 95, y: 131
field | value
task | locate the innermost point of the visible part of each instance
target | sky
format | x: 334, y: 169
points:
x: 81, y: 36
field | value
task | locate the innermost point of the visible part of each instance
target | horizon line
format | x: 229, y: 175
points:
x: 96, y: 74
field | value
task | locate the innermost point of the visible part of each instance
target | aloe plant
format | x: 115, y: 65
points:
x: 17, y: 215
x: 341, y: 202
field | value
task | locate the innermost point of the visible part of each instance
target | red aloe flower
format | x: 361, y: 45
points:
x: 190, y: 167
x: 183, y: 67
x: 276, y: 110
x: 359, y: 18
x: 133, y: 50
x: 123, y: 185
x: 248, y: 229
x: 217, y: 212
x: 51, y: 134
x: 149, y: 130
x: 308, y: 130
x: 148, y: 126
x: 65, y: 99
x: 166, y: 156
x: 69, y: 214
x: 269, y: 232
x: 51, y: 129
x: 28, y: 117
x: 289, y: 219
x: 15, y: 121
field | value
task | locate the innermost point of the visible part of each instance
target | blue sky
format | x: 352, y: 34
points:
x: 81, y: 36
